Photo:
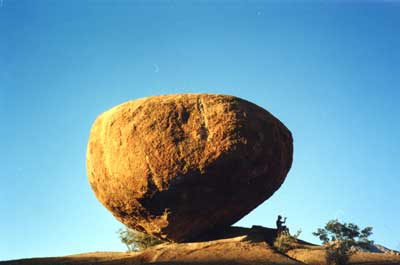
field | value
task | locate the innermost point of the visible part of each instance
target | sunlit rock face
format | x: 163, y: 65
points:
x: 177, y: 166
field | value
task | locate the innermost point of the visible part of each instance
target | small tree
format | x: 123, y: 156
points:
x: 285, y: 242
x: 137, y: 241
x: 339, y: 239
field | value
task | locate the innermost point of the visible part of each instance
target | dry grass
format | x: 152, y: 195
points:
x: 316, y: 256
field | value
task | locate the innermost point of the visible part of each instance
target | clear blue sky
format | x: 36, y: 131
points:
x: 329, y: 70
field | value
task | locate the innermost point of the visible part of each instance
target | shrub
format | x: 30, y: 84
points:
x: 339, y: 239
x: 137, y: 241
x: 285, y: 242
x: 337, y: 254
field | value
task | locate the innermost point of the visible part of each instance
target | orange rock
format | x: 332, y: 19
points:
x: 177, y: 166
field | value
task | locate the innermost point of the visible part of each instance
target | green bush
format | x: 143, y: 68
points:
x: 337, y: 254
x: 339, y: 239
x: 137, y: 241
x: 285, y: 242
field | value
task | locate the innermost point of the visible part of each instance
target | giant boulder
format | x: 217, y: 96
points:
x: 177, y: 166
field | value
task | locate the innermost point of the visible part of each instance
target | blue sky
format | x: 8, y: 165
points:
x: 329, y: 70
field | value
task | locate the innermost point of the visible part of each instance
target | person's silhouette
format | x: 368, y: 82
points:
x: 280, y: 227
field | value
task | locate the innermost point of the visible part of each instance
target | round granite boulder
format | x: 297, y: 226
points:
x: 177, y: 166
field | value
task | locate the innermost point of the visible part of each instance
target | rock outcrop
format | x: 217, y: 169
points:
x: 177, y: 166
x: 238, y: 246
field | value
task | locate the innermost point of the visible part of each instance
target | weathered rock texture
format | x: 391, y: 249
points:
x: 176, y: 166
x: 237, y: 246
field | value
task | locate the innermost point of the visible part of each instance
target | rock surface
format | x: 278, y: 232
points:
x: 238, y: 246
x: 177, y: 166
